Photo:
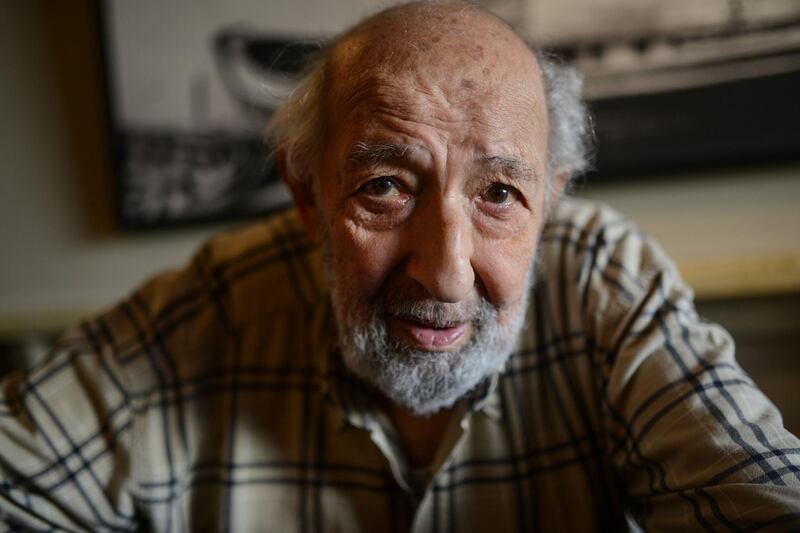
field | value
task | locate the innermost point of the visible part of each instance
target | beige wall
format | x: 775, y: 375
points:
x: 733, y: 232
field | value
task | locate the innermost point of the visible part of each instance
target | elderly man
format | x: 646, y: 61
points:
x: 429, y: 341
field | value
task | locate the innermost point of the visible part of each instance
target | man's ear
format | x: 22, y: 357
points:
x: 302, y: 193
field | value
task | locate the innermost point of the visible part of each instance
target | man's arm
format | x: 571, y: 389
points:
x: 64, y: 433
x: 697, y: 444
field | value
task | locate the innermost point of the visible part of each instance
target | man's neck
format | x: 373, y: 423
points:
x: 420, y: 436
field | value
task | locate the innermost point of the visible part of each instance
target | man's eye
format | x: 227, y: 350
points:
x: 497, y: 193
x: 383, y: 186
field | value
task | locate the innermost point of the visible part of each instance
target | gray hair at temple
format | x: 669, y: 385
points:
x: 297, y: 129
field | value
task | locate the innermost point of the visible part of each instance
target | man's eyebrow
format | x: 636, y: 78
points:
x: 374, y: 153
x: 511, y: 167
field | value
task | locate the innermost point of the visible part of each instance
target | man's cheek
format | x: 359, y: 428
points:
x: 379, y: 246
x: 366, y: 258
x: 504, y: 272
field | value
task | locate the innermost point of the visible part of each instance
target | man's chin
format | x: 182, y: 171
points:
x: 427, y: 338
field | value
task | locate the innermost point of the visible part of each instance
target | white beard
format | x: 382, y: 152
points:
x: 425, y: 381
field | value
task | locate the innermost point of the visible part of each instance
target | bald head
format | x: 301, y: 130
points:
x: 450, y: 47
x: 444, y: 61
x: 454, y: 46
x: 432, y: 35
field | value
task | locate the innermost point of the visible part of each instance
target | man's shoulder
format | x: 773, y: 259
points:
x: 589, y: 218
x: 247, y: 274
x: 596, y: 238
x: 264, y: 267
x: 277, y: 235
x: 596, y: 263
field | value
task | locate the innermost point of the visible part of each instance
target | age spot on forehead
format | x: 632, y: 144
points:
x: 467, y: 83
x: 486, y: 71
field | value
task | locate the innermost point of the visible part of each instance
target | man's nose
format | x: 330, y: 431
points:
x: 441, y: 253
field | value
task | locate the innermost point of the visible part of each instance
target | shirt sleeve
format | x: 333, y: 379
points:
x: 696, y: 444
x: 64, y: 433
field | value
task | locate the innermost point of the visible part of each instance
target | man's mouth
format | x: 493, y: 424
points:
x: 431, y: 336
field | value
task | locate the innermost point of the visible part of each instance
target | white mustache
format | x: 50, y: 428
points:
x: 434, y: 313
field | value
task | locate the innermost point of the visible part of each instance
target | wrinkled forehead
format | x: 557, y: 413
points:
x: 459, y: 51
x: 437, y: 35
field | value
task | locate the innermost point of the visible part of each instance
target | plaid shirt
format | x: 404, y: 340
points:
x: 214, y: 399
